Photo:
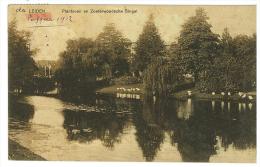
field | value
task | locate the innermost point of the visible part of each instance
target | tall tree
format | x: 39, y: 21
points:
x: 227, y: 63
x: 114, y: 50
x: 174, y: 57
x: 198, y: 44
x: 221, y: 74
x: 21, y: 64
x: 234, y: 67
x: 148, y: 46
x: 245, y: 54
x: 76, y: 66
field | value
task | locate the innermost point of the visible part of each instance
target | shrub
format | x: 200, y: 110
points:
x: 125, y: 80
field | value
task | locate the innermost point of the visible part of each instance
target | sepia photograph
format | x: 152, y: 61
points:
x: 132, y: 83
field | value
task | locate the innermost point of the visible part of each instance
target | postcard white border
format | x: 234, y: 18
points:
x: 4, y: 84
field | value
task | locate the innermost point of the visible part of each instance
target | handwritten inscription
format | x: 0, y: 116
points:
x: 39, y: 15
x: 47, y: 17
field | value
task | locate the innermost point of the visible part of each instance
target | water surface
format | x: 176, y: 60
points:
x: 112, y: 128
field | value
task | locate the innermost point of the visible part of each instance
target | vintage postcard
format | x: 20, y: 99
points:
x: 132, y: 83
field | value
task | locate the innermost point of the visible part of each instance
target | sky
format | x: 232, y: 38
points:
x: 50, y: 37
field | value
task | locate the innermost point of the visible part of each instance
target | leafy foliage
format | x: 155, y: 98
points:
x: 149, y: 46
x: 126, y: 80
x: 217, y: 64
x: 113, y: 50
x: 76, y: 68
x: 245, y: 54
x: 86, y: 61
x: 234, y: 67
x: 21, y: 64
x: 160, y: 78
x: 198, y: 44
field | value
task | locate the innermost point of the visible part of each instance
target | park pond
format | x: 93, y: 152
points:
x: 134, y: 128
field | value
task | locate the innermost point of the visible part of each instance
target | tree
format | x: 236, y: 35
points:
x: 149, y: 46
x: 174, y: 57
x: 234, y: 67
x: 77, y: 70
x: 160, y: 78
x: 245, y: 54
x: 113, y: 50
x: 21, y: 64
x: 222, y: 73
x: 227, y: 64
x: 198, y: 45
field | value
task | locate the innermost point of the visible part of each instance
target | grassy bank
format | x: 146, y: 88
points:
x: 199, y: 95
x: 181, y: 95
x: 18, y: 152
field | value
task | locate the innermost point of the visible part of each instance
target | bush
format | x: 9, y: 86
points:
x: 125, y: 80
x: 184, y: 86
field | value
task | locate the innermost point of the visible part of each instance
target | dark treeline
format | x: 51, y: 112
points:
x: 214, y: 62
x: 24, y: 73
x: 21, y: 64
x: 86, y: 63
x: 217, y: 63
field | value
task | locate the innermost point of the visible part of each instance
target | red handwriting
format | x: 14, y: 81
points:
x: 39, y: 17
x: 47, y: 17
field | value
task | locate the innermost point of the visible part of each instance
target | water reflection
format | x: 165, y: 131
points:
x: 90, y: 126
x: 20, y: 109
x: 149, y: 133
x: 20, y: 113
x: 128, y: 95
x: 195, y: 137
x: 199, y: 130
x: 250, y: 105
x: 184, y: 110
x: 213, y: 105
x: 48, y: 114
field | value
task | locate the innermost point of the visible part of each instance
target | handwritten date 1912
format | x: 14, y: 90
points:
x: 62, y: 19
x: 39, y: 18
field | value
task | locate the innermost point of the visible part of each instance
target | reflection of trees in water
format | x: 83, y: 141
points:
x: 245, y: 133
x: 86, y: 127
x: 194, y: 132
x: 149, y: 134
x: 236, y: 127
x: 19, y: 109
x: 106, y: 125
x: 196, y: 137
x: 149, y: 139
